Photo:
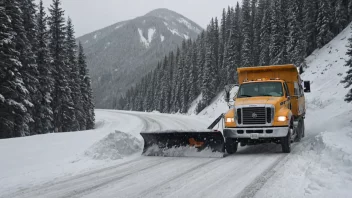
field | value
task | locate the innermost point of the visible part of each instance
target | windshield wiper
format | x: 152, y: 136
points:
x: 244, y: 96
x: 266, y: 95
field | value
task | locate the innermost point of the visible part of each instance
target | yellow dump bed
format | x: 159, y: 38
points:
x: 288, y: 73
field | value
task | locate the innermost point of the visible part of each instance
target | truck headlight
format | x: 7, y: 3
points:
x: 230, y: 120
x: 282, y: 118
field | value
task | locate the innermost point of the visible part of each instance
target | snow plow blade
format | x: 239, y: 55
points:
x: 180, y: 143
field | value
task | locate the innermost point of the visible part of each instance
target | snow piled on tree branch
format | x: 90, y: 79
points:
x: 17, y: 105
x: 2, y: 98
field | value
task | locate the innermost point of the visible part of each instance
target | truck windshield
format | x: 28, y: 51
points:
x: 273, y: 89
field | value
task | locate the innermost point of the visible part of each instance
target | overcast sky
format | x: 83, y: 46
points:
x: 91, y: 15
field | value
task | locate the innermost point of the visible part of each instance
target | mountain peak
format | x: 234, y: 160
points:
x: 161, y: 11
x: 174, y: 17
x: 119, y: 55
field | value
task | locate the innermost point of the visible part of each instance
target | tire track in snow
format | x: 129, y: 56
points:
x: 80, y: 185
x: 147, y: 121
x: 260, y: 181
x: 186, y: 172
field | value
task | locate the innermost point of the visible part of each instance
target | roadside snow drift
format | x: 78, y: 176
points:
x: 115, y: 146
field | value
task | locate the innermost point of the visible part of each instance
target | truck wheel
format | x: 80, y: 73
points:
x: 299, y: 131
x: 303, y: 128
x: 231, y: 146
x: 286, y: 142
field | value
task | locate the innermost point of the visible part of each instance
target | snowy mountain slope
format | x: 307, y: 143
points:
x: 119, y: 55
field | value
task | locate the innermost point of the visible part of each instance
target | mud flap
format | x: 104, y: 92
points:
x: 165, y: 143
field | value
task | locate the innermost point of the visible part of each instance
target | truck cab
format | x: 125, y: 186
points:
x: 269, y: 107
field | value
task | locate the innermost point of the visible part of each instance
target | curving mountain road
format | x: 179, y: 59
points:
x: 239, y: 175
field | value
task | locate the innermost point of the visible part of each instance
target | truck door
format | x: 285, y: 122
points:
x: 287, y: 94
x: 298, y: 100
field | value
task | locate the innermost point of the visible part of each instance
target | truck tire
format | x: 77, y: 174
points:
x: 286, y: 142
x: 231, y: 146
x: 303, y: 128
x: 299, y: 130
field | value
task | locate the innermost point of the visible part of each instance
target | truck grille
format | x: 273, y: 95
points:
x: 254, y: 115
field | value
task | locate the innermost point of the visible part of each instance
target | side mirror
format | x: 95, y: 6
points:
x: 228, y: 89
x: 227, y: 96
x: 307, y: 86
x: 300, y: 70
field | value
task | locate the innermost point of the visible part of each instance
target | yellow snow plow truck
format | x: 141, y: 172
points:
x: 268, y: 107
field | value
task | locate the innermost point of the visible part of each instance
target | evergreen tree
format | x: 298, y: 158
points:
x: 14, y: 117
x: 200, y: 60
x: 193, y: 92
x: 324, y: 22
x: 233, y: 58
x: 228, y: 20
x: 348, y: 79
x: 30, y: 70
x: 295, y: 44
x: 168, y: 83
x: 208, y: 87
x: 27, y: 58
x: 222, y: 40
x: 164, y: 86
x: 216, y: 44
x: 341, y: 16
x: 257, y: 24
x: 73, y: 78
x: 86, y: 89
x: 63, y: 106
x: 177, y: 83
x: 184, y: 78
x: 45, y: 73
x: 350, y: 10
x: 277, y: 41
x: 265, y: 36
x: 310, y: 27
x: 247, y: 49
x: 28, y: 9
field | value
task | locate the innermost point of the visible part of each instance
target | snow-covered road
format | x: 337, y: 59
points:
x: 142, y: 176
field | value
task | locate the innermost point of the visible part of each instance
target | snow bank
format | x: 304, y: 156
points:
x: 115, y: 146
x: 182, y: 152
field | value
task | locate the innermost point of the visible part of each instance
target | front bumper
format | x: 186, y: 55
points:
x: 270, y: 132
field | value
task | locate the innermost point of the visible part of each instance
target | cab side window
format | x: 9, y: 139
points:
x: 298, y: 89
x: 286, y: 90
